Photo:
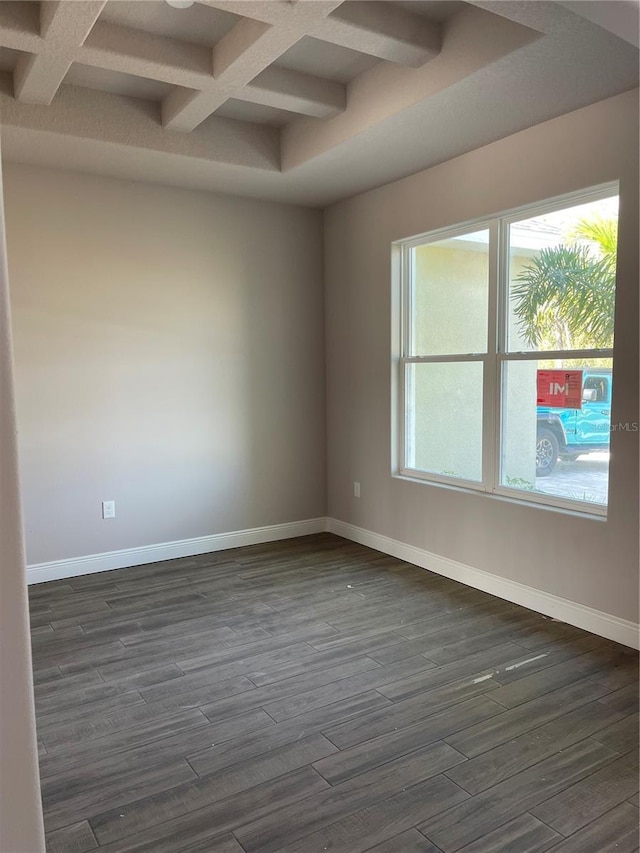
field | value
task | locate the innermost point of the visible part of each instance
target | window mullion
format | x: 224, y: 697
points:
x: 405, y: 348
x: 407, y: 273
x: 549, y: 355
x: 502, y: 333
x: 489, y: 377
x: 441, y: 359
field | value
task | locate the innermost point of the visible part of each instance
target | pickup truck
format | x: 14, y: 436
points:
x: 569, y: 433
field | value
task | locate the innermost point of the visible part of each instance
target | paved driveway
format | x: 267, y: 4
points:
x: 585, y: 479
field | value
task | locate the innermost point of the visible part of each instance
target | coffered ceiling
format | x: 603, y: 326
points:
x: 297, y: 100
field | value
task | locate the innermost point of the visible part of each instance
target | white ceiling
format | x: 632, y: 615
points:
x: 618, y: 16
x: 305, y: 101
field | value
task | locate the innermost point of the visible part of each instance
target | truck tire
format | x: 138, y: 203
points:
x: 547, y: 450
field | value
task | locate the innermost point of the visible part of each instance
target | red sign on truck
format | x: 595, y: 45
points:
x: 560, y: 388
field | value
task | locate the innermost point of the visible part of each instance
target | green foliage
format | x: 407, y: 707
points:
x: 564, y: 298
x: 601, y: 233
x: 520, y: 483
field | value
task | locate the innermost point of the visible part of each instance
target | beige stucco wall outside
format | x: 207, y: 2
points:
x: 450, y: 297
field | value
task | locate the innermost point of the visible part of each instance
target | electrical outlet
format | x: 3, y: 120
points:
x: 108, y: 509
x: 356, y: 490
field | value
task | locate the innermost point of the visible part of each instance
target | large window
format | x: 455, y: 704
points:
x: 503, y: 362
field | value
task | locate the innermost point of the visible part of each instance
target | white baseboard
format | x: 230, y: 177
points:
x: 587, y: 618
x: 56, y: 569
x: 595, y: 621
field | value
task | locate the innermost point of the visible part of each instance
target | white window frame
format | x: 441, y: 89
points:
x: 495, y: 359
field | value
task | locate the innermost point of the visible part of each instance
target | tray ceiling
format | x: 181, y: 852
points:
x: 271, y: 97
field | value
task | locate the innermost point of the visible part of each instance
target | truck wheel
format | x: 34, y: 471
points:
x: 547, y: 450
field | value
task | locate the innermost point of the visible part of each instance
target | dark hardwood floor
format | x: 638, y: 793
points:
x: 315, y: 695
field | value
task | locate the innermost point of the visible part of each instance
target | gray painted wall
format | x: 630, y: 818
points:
x: 591, y: 562
x: 169, y: 355
x: 21, y: 828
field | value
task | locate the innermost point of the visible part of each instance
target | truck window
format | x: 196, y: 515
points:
x: 600, y: 385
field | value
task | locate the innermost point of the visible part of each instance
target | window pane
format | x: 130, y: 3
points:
x: 562, y: 272
x: 556, y: 427
x: 444, y: 419
x: 449, y: 290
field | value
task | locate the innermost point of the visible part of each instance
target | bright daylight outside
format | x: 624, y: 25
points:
x: 546, y: 389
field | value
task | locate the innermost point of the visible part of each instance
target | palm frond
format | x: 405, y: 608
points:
x: 565, y: 286
x: 601, y: 232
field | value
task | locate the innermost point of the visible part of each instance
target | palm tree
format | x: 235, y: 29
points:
x: 564, y: 299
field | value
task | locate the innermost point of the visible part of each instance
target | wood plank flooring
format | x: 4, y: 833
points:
x: 315, y: 695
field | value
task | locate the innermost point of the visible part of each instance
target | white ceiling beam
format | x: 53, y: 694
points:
x: 81, y: 115
x: 240, y: 66
x: 157, y: 57
x: 65, y: 22
x: 186, y: 66
x: 266, y: 11
x: 296, y: 92
x: 37, y: 78
x: 64, y: 26
x: 376, y: 28
x: 383, y: 30
x: 247, y: 50
x: 247, y: 46
x: 189, y: 67
x: 185, y: 109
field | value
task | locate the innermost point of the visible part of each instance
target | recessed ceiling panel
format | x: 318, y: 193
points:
x: 322, y: 59
x: 198, y: 24
x: 17, y: 15
x: 116, y: 82
x: 9, y: 58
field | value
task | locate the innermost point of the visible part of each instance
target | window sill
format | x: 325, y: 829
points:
x: 591, y: 513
